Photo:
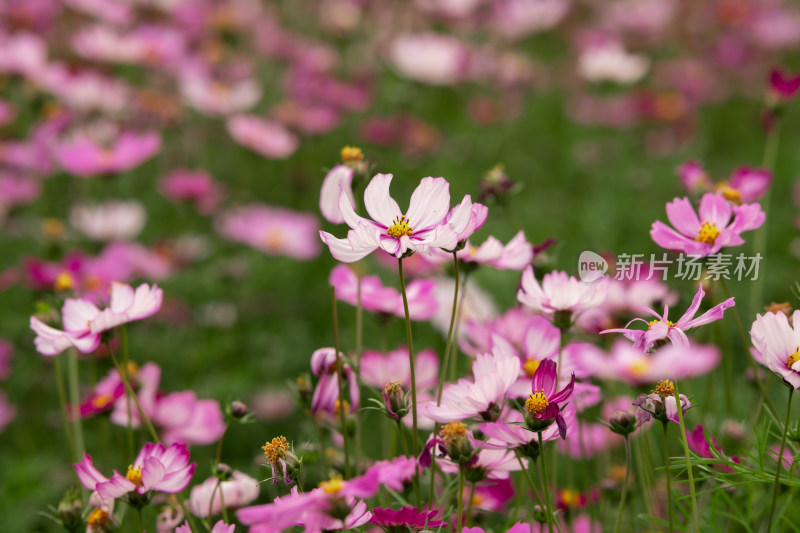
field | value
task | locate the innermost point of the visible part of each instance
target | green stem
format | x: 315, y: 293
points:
x: 460, y: 498
x: 527, y: 476
x: 62, y: 399
x: 469, y: 505
x: 75, y: 400
x: 414, y: 436
x: 689, y: 474
x: 359, y: 337
x: 123, y: 332
x: 129, y: 391
x: 780, y: 462
x: 624, y: 483
x: 669, y: 479
x: 545, y: 488
x: 462, y: 299
x: 340, y: 382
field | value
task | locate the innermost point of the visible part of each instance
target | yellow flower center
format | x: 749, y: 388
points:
x: 64, y: 282
x: 352, y: 153
x: 338, y: 407
x: 708, y: 233
x: 101, y: 401
x: 332, y: 486
x: 639, y: 367
x: 393, y: 387
x: 536, y: 403
x: 665, y: 389
x: 792, y: 358
x: 453, y: 430
x: 652, y: 323
x: 97, y: 519
x: 730, y: 194
x: 276, y: 449
x: 134, y: 475
x: 570, y: 498
x: 400, y: 227
x: 274, y: 239
x: 530, y: 367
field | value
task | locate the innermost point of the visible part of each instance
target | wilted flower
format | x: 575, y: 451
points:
x: 661, y: 404
x: 283, y: 462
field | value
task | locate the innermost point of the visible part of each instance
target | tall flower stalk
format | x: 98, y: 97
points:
x: 689, y: 474
x: 624, y: 483
x: 779, y: 465
x: 414, y: 436
x: 340, y: 382
x: 669, y: 478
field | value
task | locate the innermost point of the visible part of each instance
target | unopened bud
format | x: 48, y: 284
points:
x: 224, y: 472
x: 456, y: 442
x: 539, y: 514
x: 395, y: 399
x: 622, y: 423
x: 70, y: 509
x: 239, y: 409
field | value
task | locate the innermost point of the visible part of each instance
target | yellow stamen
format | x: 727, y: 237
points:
x: 730, y: 194
x: 102, y: 401
x: 570, y: 498
x: 332, y: 486
x: 276, y: 449
x: 274, y: 239
x: 53, y: 228
x: 453, y: 430
x: 400, y: 227
x: 708, y: 233
x: 792, y: 358
x: 530, y: 367
x: 352, y: 153
x: 134, y: 475
x: 639, y: 367
x: 64, y: 282
x: 337, y: 409
x: 97, y: 519
x: 536, y: 403
x: 652, y: 323
x: 665, y: 389
x: 392, y: 386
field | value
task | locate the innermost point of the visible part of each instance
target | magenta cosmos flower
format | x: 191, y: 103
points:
x: 76, y: 317
x: 711, y: 231
x: 85, y: 158
x: 324, y: 364
x: 560, y: 292
x: 127, y: 305
x: 662, y: 329
x: 404, y: 519
x: 155, y: 468
x: 420, y: 228
x: 784, y: 85
x: 542, y: 406
x: 778, y: 345
x: 196, y: 186
x: 510, y: 432
x: 376, y: 297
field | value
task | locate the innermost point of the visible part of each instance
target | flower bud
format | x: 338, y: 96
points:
x: 622, y: 423
x: 456, y: 442
x: 395, y: 400
x: 539, y: 514
x: 224, y: 472
x: 304, y: 390
x: 70, y: 508
x: 238, y: 409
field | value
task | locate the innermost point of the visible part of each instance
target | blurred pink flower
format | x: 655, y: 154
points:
x: 339, y: 178
x: 560, y: 292
x: 263, y: 136
x: 76, y: 318
x: 776, y: 342
x: 7, y: 113
x: 324, y: 364
x: 220, y: 98
x: 746, y: 185
x: 516, y: 19
x: 396, y: 233
x: 716, y: 230
x: 155, y: 468
x: 109, y: 221
x: 515, y: 255
x: 694, y: 177
x: 196, y: 186
x: 272, y: 230
x: 466, y: 218
x: 181, y: 417
x: 84, y: 158
x: 662, y: 329
x: 127, y: 305
x: 378, y: 298
x: 435, y: 59
x: 784, y: 85
x: 16, y: 190
x: 219, y: 527
x: 378, y: 369
x: 23, y: 53
x: 236, y: 492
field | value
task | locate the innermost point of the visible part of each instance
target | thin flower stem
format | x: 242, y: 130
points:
x: 222, y: 504
x: 689, y: 474
x: 745, y: 344
x: 669, y: 479
x: 624, y: 483
x: 527, y: 476
x: 460, y: 498
x: 123, y: 332
x: 340, y: 382
x: 219, y: 443
x: 470, y: 504
x: 414, y: 435
x: 359, y: 339
x: 74, y: 398
x: 129, y: 391
x: 461, y: 301
x: 547, y: 510
x: 210, y: 520
x: 62, y: 399
x: 443, y: 372
x: 779, y: 466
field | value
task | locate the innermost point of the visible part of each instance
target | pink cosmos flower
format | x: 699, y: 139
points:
x: 17, y: 190
x: 422, y: 304
x: 560, y: 292
x: 111, y: 220
x: 272, y: 230
x: 219, y: 527
x: 631, y: 365
x: 515, y: 19
x: 76, y: 317
x: 662, y: 329
x: 746, y: 185
x: 487, y: 463
x: 430, y: 58
x: 515, y: 255
x: 127, y: 305
x: 694, y: 177
x: 510, y: 433
x: 405, y: 518
x: 494, y: 374
x: 466, y: 218
x: 219, y: 98
x: 543, y: 403
x: 238, y: 491
x: 104, y: 394
x: 182, y: 417
x: 696, y: 439
x: 709, y: 233
x: 84, y: 158
x: 326, y: 396
x: 195, y: 186
x: 23, y: 53
x: 378, y: 369
x: 155, y: 468
x: 512, y: 326
x: 339, y: 178
x: 777, y: 345
x: 590, y: 441
x: 421, y: 228
x: 89, y: 91
x: 263, y: 136
x: 784, y: 85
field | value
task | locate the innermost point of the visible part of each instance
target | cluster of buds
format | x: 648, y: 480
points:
x: 394, y: 399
